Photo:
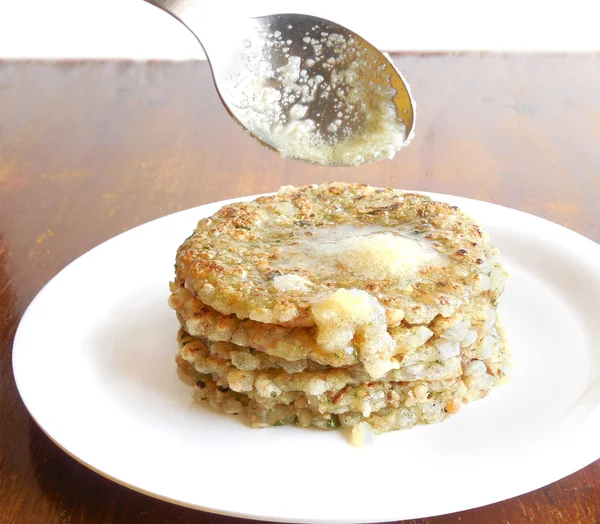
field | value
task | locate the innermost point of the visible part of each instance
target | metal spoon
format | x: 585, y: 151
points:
x: 306, y: 87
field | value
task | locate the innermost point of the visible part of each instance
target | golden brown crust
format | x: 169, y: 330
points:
x: 231, y: 259
x: 300, y: 343
x: 385, y: 406
x: 230, y: 363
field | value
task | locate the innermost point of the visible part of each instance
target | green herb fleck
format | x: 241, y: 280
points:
x: 287, y: 420
x: 333, y: 422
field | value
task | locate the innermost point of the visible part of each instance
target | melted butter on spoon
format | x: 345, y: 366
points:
x: 306, y: 87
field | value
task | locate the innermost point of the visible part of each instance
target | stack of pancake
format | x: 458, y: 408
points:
x: 340, y: 305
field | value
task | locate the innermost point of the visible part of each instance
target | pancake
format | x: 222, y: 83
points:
x: 269, y: 382
x: 273, y: 259
x: 340, y: 305
x: 384, y: 407
x: 300, y: 344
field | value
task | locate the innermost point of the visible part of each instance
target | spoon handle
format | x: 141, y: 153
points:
x: 197, y: 16
x: 175, y: 8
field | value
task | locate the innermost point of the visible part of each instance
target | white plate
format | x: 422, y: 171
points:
x: 94, y: 362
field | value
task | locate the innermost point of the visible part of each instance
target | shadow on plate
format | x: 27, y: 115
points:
x: 75, y: 493
x: 132, y: 353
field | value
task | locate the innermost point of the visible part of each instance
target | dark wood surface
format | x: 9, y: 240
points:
x: 88, y: 150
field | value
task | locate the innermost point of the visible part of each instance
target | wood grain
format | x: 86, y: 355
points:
x: 90, y: 149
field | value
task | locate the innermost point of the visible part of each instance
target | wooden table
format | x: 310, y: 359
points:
x: 88, y: 150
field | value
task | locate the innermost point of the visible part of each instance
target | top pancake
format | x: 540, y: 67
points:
x: 279, y: 258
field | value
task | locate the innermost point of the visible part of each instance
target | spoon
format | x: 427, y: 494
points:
x: 306, y: 87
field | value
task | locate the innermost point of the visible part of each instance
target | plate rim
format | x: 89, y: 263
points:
x: 265, y: 517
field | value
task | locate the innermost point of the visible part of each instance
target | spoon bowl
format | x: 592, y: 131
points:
x: 306, y: 87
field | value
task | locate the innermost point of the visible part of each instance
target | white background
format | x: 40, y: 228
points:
x: 134, y: 29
